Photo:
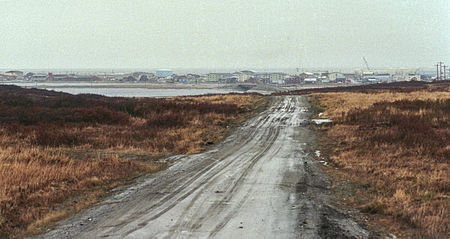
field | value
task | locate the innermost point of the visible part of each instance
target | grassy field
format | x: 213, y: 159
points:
x: 394, y: 146
x: 60, y: 153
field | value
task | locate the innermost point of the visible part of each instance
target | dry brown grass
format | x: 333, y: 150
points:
x: 51, y: 170
x: 35, y: 179
x: 340, y: 102
x: 397, y: 150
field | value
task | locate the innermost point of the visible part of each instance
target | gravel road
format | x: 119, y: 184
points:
x: 261, y: 182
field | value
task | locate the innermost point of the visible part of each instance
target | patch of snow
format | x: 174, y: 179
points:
x: 318, y: 153
x: 320, y: 121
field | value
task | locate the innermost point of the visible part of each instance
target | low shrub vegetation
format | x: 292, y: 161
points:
x: 397, y: 144
x: 60, y: 152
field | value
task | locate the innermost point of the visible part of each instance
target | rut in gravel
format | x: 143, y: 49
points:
x: 261, y: 182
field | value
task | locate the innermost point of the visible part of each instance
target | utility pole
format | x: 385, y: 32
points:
x: 437, y: 72
x: 440, y: 69
x: 445, y: 72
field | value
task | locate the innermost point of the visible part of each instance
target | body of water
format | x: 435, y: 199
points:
x: 116, y: 90
x: 140, y: 92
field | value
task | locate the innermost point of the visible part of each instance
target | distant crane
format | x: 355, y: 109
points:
x: 367, y: 64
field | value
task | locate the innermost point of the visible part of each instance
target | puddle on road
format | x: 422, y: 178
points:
x: 320, y: 121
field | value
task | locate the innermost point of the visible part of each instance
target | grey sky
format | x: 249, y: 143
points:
x: 223, y: 33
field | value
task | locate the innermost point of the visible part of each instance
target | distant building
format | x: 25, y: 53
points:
x: 293, y: 80
x: 377, y: 78
x: 322, y: 79
x: 412, y: 77
x: 305, y: 75
x: 277, y: 77
x: 398, y: 77
x: 61, y: 77
x: 262, y: 77
x: 28, y: 75
x: 244, y: 76
x: 180, y: 79
x: 340, y: 79
x: 163, y: 73
x: 129, y: 78
x: 350, y: 77
x: 383, y: 77
x: 228, y: 80
x: 427, y: 75
x: 145, y: 78
x: 215, y: 77
x: 6, y: 77
x: 368, y: 73
x: 310, y: 80
x: 14, y: 73
x: 39, y: 77
x: 333, y: 75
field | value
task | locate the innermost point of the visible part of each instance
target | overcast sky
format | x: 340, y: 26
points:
x: 223, y: 33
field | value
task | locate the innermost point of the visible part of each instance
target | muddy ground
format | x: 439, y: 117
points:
x: 261, y: 182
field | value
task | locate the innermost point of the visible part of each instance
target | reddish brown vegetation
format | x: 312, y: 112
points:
x: 58, y: 119
x: 416, y: 125
x: 395, y: 145
x: 402, y: 86
x: 55, y: 146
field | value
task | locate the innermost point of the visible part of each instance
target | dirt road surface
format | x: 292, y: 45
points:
x: 261, y: 182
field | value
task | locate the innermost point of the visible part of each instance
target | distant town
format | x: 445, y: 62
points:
x: 239, y: 77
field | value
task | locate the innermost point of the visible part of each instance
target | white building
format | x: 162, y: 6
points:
x: 310, y: 80
x: 277, y: 77
x: 245, y: 75
x: 39, y: 77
